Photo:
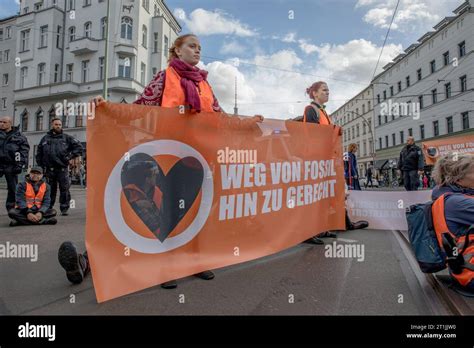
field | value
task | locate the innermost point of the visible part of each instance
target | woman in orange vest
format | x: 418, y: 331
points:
x: 315, y: 112
x: 184, y: 84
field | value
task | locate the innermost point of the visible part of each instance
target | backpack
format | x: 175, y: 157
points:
x: 431, y: 258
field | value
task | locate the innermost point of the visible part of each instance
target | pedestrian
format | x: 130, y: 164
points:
x: 369, y: 177
x: 14, y: 150
x: 425, y: 181
x: 411, y: 164
x: 56, y: 151
x: 182, y: 83
x: 32, y: 201
x: 351, y: 173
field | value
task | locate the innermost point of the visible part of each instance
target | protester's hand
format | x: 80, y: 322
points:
x: 32, y: 217
x: 98, y: 100
x: 258, y: 118
x: 39, y: 215
x: 420, y: 172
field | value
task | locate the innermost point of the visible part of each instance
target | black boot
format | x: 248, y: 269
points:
x: 75, y: 264
x: 206, y: 275
x: 314, y: 240
x: 172, y: 284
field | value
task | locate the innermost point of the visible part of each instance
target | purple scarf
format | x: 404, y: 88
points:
x: 190, y: 77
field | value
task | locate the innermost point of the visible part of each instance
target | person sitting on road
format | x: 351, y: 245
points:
x: 32, y: 201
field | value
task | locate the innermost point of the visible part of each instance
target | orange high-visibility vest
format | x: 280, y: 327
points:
x: 440, y: 226
x: 135, y: 194
x: 173, y: 95
x: 33, y: 198
x: 323, y: 116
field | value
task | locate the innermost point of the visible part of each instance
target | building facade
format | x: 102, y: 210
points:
x: 428, y: 91
x: 60, y: 58
x: 356, y: 119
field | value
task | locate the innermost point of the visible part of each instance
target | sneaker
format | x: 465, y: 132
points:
x: 50, y: 221
x: 360, y: 225
x: 75, y: 264
x: 314, y: 240
x: 172, y: 284
x: 14, y: 223
x: 206, y: 275
x: 327, y: 234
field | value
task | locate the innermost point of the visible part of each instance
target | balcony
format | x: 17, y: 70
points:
x: 83, y: 46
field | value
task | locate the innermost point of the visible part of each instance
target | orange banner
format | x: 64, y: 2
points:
x: 435, y: 148
x: 172, y: 194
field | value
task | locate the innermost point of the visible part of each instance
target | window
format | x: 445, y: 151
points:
x: 165, y: 51
x: 155, y: 42
x: 4, y: 103
x: 52, y: 114
x: 434, y: 95
x: 462, y: 49
x: 446, y: 58
x: 449, y: 124
x: 1, y: 34
x: 6, y: 56
x: 365, y: 148
x: 357, y: 129
x: 5, y: 80
x: 420, y: 101
x: 72, y: 34
x: 386, y: 118
x: 418, y: 74
x: 87, y: 3
x: 378, y: 98
x: 23, y: 76
x: 38, y: 6
x: 146, y: 5
x: 143, y: 73
x: 124, y: 67
x: 71, y: 5
x: 408, y: 107
x: 368, y: 105
x: 433, y: 66
x: 402, y: 137
x: 44, y: 36
x: 394, y: 140
x: 463, y: 82
x: 41, y: 73
x: 69, y: 72
x: 422, y: 131
x: 380, y: 143
x: 386, y: 141
x: 380, y: 120
x: 399, y: 86
x: 24, y: 121
x: 79, y: 118
x: 26, y: 9
x: 39, y: 120
x: 103, y: 27
x: 8, y: 33
x: 391, y: 91
x: 384, y: 95
x: 465, y: 120
x: 363, y: 109
x: 87, y: 29
x: 144, y: 36
x: 101, y: 68
x: 65, y: 120
x: 58, y: 37
x: 447, y: 90
x: 435, y: 128
x: 85, y: 71
x: 25, y: 40
x: 408, y: 81
x: 410, y: 132
x: 126, y: 28
x: 56, y: 73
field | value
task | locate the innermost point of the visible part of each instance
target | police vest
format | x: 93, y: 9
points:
x: 33, y: 198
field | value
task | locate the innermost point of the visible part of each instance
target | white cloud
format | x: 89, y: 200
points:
x: 284, y: 59
x: 412, y: 15
x: 289, y: 38
x: 306, y: 47
x: 203, y: 22
x: 232, y: 47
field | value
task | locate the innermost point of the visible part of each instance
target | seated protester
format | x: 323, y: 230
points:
x: 456, y: 176
x: 32, y: 201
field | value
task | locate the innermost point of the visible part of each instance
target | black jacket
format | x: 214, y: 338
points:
x: 14, y: 150
x: 20, y: 197
x: 55, y: 150
x: 411, y: 158
x: 311, y: 115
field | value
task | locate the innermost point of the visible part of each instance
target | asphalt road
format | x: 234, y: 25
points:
x: 300, y: 280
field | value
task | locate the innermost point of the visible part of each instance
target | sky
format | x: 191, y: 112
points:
x: 277, y: 48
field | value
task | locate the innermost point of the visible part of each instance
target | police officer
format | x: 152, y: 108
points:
x: 14, y: 149
x: 56, y: 151
x: 411, y: 164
